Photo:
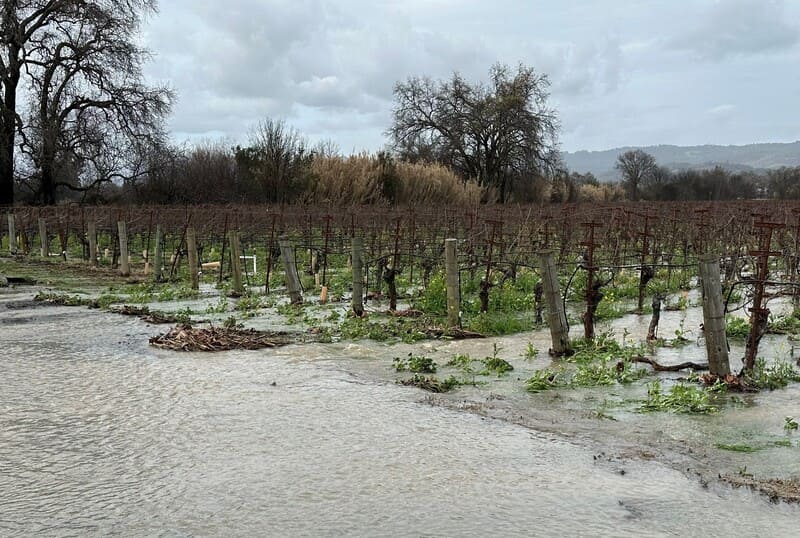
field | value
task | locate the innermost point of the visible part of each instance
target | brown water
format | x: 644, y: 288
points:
x: 100, y: 434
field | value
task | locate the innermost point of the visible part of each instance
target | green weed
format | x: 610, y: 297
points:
x: 790, y: 424
x: 736, y: 327
x: 737, y: 448
x: 777, y: 376
x: 680, y: 399
x: 547, y: 379
x: 415, y: 363
x: 531, y: 352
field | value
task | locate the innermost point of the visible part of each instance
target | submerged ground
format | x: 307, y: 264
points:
x: 100, y: 432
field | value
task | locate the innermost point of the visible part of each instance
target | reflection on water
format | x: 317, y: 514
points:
x: 100, y: 434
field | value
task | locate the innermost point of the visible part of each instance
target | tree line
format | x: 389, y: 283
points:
x: 642, y: 178
x: 78, y: 123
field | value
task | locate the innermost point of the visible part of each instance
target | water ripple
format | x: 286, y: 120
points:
x: 101, y: 435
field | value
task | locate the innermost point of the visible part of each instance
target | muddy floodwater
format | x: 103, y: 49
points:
x: 101, y: 434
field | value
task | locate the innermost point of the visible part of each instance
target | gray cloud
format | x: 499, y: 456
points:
x: 621, y: 73
x: 739, y: 27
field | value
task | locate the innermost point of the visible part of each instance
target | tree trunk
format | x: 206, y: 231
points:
x: 8, y: 122
x: 47, y: 187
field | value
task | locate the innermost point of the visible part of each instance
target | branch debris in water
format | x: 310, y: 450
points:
x: 187, y: 338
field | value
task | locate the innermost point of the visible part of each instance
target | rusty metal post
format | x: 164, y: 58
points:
x: 486, y: 283
x: 644, y: 270
x: 270, y: 248
x: 758, y: 313
x: 591, y: 294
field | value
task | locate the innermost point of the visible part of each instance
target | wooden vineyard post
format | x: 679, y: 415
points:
x: 714, y: 317
x: 358, y: 276
x: 45, y: 249
x: 124, y: 259
x: 91, y: 233
x: 290, y: 269
x: 236, y: 262
x: 12, y: 234
x: 453, y: 286
x: 191, y: 247
x: 157, y: 256
x: 556, y: 315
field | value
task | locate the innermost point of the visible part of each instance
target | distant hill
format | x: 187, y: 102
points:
x: 752, y: 157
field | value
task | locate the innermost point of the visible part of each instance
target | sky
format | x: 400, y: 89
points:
x: 622, y: 72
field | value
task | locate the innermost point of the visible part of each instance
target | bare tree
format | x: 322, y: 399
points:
x: 276, y: 165
x: 637, y: 168
x: 493, y: 132
x: 84, y: 73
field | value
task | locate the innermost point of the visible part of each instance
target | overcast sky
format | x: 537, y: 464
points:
x: 623, y: 72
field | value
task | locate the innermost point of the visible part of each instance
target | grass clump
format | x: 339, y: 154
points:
x: 403, y: 329
x: 433, y: 300
x: 606, y: 373
x: 547, y: 379
x: 497, y: 323
x: 737, y: 448
x: 248, y: 302
x: 603, y: 348
x: 61, y: 299
x: 773, y: 377
x: 495, y: 365
x: 681, y: 398
x: 415, y: 363
x: 431, y: 383
x: 790, y: 424
x: 786, y: 324
x: 737, y: 327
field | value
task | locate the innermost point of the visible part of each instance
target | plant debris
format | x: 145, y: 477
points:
x: 129, y: 310
x: 153, y: 317
x: 410, y: 313
x: 787, y: 490
x: 431, y: 383
x: 731, y: 381
x: 455, y: 334
x: 187, y: 338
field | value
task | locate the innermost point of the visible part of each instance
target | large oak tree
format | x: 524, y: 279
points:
x: 495, y: 132
x: 88, y: 111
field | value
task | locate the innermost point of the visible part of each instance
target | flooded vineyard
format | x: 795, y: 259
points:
x: 187, y: 399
